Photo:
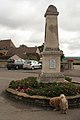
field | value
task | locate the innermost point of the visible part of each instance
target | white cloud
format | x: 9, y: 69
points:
x: 23, y: 21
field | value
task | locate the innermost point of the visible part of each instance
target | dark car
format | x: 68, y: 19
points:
x: 14, y: 64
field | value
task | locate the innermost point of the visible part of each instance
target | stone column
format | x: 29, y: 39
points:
x: 51, y: 53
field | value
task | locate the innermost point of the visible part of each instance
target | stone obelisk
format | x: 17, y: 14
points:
x: 51, y: 53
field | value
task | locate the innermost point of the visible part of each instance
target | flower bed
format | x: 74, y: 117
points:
x: 32, y: 87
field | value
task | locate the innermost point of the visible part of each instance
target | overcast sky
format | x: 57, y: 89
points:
x: 23, y: 22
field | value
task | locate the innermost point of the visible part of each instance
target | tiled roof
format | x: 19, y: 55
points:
x: 6, y: 44
x: 22, y: 50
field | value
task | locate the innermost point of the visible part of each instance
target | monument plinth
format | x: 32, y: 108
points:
x: 51, y: 53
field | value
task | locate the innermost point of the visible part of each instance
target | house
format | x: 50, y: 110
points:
x: 71, y: 63
x: 16, y: 57
x: 8, y: 50
x: 73, y: 59
x: 25, y: 52
x: 5, y: 45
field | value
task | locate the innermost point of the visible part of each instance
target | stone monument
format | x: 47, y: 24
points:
x: 51, y: 53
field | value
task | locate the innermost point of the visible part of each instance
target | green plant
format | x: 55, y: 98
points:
x: 32, y: 87
x: 55, y: 89
x: 69, y: 79
x: 13, y: 84
x: 31, y: 82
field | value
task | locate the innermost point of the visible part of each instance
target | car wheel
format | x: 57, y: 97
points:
x: 17, y: 67
x: 9, y: 68
x: 32, y: 67
x: 40, y: 67
x: 24, y: 68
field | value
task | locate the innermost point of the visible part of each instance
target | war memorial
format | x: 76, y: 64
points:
x: 51, y: 53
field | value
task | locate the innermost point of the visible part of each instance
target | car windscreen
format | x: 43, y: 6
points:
x: 28, y: 62
x: 10, y: 61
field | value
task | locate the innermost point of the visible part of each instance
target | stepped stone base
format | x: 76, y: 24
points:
x: 51, y: 77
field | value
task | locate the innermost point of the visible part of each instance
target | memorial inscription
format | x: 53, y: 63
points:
x: 52, y: 64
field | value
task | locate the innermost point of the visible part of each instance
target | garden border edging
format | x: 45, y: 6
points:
x: 74, y: 101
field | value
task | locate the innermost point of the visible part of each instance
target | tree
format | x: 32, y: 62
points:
x: 41, y: 47
x: 23, y: 45
x: 62, y: 57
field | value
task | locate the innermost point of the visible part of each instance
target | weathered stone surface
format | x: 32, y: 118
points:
x: 52, y: 77
x: 74, y: 101
x: 52, y: 10
x: 51, y: 53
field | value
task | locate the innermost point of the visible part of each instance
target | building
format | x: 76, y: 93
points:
x: 5, y: 45
x: 8, y: 50
x: 25, y: 52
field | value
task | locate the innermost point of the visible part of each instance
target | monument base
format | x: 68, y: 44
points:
x: 51, y: 77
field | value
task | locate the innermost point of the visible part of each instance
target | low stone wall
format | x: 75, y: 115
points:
x: 3, y: 63
x: 76, y: 67
x: 74, y: 101
x: 25, y: 98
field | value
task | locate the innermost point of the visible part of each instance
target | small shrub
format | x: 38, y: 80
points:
x: 76, y: 63
x: 31, y: 82
x: 32, y: 87
x: 55, y: 90
x: 13, y: 84
x: 68, y: 78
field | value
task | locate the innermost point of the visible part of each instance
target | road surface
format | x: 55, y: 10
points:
x: 10, y: 110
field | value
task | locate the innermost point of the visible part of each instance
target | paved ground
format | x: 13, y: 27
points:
x: 10, y: 110
x: 74, y: 74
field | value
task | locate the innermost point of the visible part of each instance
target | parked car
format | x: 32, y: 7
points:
x: 15, y: 64
x: 32, y: 64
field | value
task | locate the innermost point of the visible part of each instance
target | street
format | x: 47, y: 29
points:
x: 11, y: 110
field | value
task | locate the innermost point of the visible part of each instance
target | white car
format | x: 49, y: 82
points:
x: 32, y: 64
